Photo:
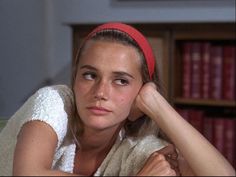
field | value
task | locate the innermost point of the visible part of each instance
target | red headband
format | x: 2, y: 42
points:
x: 136, y: 36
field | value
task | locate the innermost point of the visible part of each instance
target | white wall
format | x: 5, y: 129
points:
x: 35, y: 42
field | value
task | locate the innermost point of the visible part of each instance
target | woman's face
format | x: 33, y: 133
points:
x: 108, y: 80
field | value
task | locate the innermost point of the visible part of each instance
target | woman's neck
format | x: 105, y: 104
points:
x: 93, y: 149
x: 98, y: 141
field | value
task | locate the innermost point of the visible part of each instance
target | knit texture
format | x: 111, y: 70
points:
x: 50, y: 105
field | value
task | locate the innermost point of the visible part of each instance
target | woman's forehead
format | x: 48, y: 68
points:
x: 113, y: 56
x: 107, y: 50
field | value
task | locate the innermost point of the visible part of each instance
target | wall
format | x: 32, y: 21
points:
x: 22, y: 66
x: 35, y: 37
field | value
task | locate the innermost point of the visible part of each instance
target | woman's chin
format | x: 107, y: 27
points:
x: 98, y: 123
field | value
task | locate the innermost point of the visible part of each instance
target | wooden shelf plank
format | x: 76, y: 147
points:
x: 204, y: 102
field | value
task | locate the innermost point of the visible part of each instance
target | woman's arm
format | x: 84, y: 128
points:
x: 202, y: 157
x: 35, y: 150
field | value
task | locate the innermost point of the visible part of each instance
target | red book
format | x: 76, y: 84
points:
x: 186, y: 59
x: 216, y: 72
x: 196, y: 70
x: 206, y: 70
x: 184, y: 113
x: 234, y: 143
x: 208, y: 128
x: 196, y: 119
x: 218, y: 134
x: 229, y: 62
x: 229, y: 151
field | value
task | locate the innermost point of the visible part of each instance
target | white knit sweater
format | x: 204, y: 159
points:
x: 52, y: 105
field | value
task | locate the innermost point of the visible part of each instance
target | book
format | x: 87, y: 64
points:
x: 218, y: 134
x: 206, y: 69
x: 229, y: 140
x: 186, y: 77
x: 229, y: 74
x: 184, y: 113
x: 196, y: 119
x: 196, y: 66
x: 216, y: 72
x: 208, y: 128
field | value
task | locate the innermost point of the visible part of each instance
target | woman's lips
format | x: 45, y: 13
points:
x: 98, y: 110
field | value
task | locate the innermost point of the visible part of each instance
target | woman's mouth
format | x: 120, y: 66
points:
x: 98, y: 110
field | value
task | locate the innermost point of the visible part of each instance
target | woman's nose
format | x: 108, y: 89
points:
x: 102, y: 90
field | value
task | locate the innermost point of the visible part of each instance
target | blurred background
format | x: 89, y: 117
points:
x: 36, y: 35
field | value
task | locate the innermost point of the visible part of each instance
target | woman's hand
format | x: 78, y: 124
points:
x: 143, y: 101
x: 171, y: 156
x: 157, y: 165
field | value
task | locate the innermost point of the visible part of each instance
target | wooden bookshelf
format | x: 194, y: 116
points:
x: 203, y: 102
x: 215, y: 33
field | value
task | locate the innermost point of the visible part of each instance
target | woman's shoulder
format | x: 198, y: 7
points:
x: 60, y: 91
x: 54, y: 97
x: 52, y: 105
x: 58, y: 88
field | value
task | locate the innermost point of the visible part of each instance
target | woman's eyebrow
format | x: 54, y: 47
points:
x: 122, y: 73
x: 88, y: 67
x: 117, y: 73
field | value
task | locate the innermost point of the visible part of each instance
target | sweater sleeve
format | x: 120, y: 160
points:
x: 52, y: 105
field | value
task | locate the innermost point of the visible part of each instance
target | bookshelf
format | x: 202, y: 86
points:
x: 203, y: 84
x: 214, y: 118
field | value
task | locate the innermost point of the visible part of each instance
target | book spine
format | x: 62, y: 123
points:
x: 208, y: 128
x: 229, y: 73
x: 216, y: 72
x: 184, y: 113
x: 206, y: 70
x: 186, y: 59
x: 234, y: 164
x: 196, y: 70
x: 196, y: 119
x: 230, y: 140
x: 218, y: 134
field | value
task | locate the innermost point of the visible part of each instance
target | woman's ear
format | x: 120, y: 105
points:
x: 135, y: 113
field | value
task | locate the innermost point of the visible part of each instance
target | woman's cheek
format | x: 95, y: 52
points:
x: 81, y: 88
x: 125, y: 102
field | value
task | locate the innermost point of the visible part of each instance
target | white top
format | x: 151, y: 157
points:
x: 52, y: 105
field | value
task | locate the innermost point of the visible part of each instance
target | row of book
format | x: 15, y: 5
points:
x: 208, y: 70
x: 220, y: 131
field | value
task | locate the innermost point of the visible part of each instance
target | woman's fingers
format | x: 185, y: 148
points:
x: 169, y: 150
x: 171, y: 156
x: 157, y: 165
x: 174, y: 165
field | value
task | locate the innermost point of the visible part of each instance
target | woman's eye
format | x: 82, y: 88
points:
x: 121, y: 81
x: 89, y: 76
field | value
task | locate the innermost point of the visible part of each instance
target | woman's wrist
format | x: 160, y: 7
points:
x: 153, y: 104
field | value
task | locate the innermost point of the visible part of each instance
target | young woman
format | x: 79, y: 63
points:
x: 108, y: 123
